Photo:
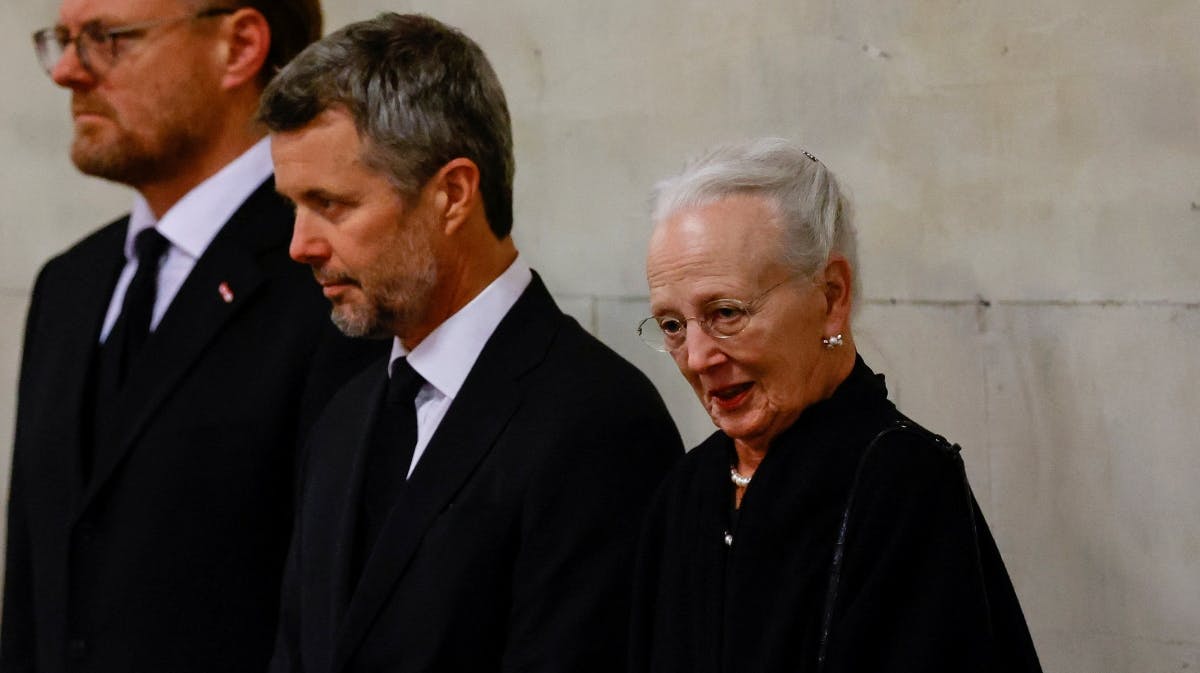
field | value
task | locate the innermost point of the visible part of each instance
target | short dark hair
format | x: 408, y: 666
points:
x: 294, y: 25
x: 421, y: 94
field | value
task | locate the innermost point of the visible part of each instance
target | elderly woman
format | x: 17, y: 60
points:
x: 819, y: 529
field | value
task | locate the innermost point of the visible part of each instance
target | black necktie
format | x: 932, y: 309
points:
x: 132, y: 327
x: 118, y: 352
x: 389, y: 454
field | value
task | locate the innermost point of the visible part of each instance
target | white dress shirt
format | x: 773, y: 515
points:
x: 189, y: 226
x: 447, y: 355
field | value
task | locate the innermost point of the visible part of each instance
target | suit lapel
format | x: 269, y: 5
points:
x: 195, y: 317
x: 357, y: 435
x: 78, y: 334
x: 475, y: 421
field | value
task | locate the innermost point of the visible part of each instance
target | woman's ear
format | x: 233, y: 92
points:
x: 838, y: 286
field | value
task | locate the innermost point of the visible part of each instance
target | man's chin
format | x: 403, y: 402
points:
x: 87, y: 159
x: 91, y: 158
x: 356, y: 323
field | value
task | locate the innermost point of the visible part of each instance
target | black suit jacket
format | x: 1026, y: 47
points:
x: 511, y: 546
x: 168, y: 558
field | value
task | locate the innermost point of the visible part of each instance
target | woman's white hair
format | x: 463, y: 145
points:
x: 815, y: 215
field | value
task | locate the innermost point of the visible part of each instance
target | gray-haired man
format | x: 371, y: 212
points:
x: 471, y: 503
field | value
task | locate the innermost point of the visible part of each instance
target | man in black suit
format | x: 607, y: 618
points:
x: 472, y: 505
x: 172, y: 359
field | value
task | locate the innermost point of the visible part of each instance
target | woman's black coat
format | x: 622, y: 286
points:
x: 920, y: 585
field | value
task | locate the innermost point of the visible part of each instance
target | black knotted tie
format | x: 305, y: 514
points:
x: 389, y: 455
x: 129, y: 333
x: 118, y: 354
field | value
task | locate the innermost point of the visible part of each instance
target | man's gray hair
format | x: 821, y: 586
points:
x: 815, y: 215
x: 421, y: 94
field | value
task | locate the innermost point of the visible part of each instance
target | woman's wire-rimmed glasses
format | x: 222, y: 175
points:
x: 96, y: 44
x: 719, y: 318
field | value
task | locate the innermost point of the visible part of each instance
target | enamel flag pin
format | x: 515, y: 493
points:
x: 225, y: 292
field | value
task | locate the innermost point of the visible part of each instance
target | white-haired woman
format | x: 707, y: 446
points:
x: 819, y: 529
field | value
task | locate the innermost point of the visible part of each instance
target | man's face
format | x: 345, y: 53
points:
x: 754, y: 384
x: 153, y: 110
x: 375, y: 256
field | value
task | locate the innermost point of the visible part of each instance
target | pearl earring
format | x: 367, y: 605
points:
x: 832, y: 342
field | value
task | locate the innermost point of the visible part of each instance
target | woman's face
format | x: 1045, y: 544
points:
x: 754, y: 384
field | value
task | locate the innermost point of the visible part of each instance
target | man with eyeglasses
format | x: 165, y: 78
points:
x: 172, y: 358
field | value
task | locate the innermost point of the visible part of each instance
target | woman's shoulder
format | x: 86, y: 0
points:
x: 905, y: 434
x: 905, y: 460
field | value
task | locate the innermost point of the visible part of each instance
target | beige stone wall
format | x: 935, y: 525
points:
x: 1027, y: 181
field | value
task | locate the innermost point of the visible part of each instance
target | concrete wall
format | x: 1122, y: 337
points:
x: 1027, y: 181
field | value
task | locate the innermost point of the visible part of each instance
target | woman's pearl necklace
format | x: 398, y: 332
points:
x: 737, y: 479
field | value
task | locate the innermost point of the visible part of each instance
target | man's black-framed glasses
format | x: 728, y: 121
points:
x: 719, y: 318
x: 96, y: 45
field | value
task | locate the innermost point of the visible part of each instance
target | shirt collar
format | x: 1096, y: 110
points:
x: 447, y: 355
x: 193, y: 222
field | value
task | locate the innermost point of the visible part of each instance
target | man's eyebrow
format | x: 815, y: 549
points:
x: 312, y: 194
x: 103, y: 21
x: 319, y: 194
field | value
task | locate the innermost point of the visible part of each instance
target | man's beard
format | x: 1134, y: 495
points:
x: 391, y: 309
x: 128, y: 159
